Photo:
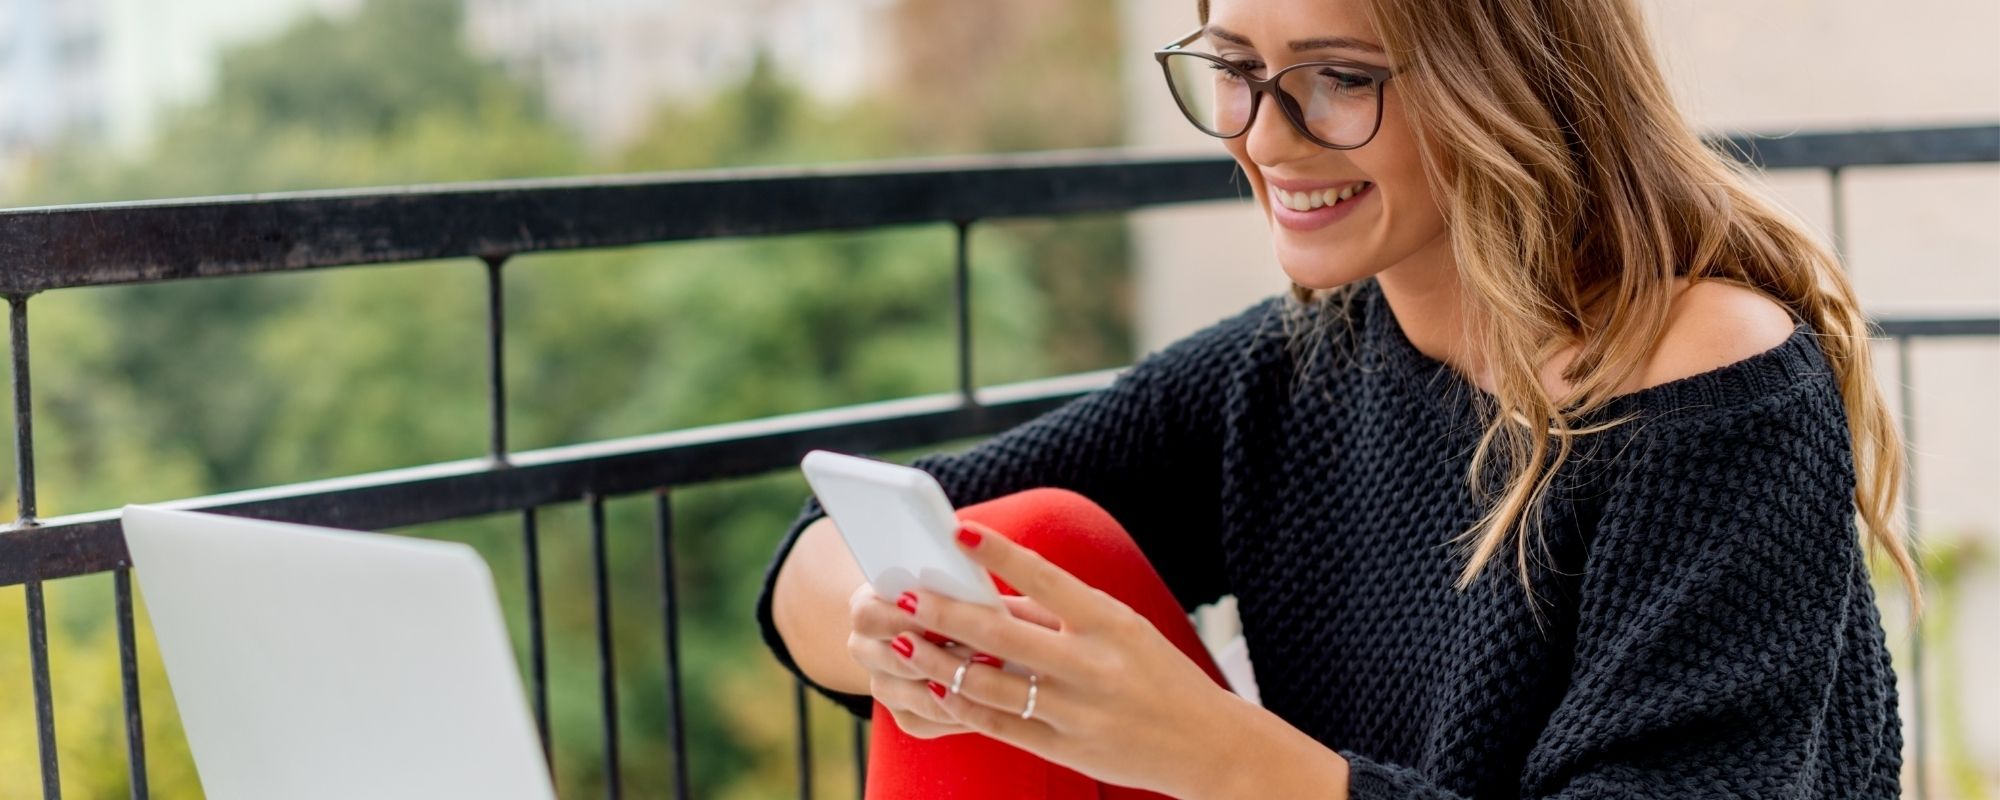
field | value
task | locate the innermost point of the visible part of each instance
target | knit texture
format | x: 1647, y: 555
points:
x: 1705, y: 626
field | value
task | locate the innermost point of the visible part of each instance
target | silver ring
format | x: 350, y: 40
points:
x: 1033, y: 681
x: 958, y: 678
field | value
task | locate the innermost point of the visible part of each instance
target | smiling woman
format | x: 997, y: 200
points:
x: 1549, y: 478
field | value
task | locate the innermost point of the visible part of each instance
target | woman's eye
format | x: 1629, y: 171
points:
x: 1223, y: 73
x: 1347, y: 81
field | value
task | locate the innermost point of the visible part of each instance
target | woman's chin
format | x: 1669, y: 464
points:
x: 1320, y: 270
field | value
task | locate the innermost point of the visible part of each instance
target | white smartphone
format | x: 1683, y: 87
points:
x: 899, y: 525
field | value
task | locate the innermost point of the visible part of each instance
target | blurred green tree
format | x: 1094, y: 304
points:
x: 155, y: 392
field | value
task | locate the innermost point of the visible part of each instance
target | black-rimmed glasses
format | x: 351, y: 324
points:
x: 1332, y: 103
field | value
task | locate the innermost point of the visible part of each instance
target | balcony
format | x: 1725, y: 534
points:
x: 486, y: 227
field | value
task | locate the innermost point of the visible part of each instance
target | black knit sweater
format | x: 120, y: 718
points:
x: 1706, y: 626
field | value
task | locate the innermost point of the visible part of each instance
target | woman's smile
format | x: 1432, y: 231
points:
x: 1312, y: 210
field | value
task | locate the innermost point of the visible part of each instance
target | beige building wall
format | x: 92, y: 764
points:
x: 1920, y: 241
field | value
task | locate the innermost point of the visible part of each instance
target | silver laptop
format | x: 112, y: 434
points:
x: 318, y: 663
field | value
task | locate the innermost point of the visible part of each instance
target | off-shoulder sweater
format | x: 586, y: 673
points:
x: 1702, y: 623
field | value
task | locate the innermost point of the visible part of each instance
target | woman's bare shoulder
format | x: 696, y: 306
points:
x: 1710, y: 325
x: 1713, y: 324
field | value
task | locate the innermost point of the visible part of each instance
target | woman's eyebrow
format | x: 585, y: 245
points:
x: 1301, y: 45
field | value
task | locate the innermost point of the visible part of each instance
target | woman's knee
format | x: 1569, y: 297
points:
x: 1070, y: 530
x: 1082, y: 538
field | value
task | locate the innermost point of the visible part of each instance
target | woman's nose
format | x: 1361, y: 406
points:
x: 1271, y: 139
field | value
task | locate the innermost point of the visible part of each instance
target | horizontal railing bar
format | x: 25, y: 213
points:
x: 87, y: 543
x: 59, y: 247
x: 152, y: 241
x: 1938, y: 328
x: 1970, y: 144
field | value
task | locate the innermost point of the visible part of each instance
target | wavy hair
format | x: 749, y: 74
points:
x: 1577, y: 196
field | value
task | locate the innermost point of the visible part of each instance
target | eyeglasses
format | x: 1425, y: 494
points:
x: 1333, y: 104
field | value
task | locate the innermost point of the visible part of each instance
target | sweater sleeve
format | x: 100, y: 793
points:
x: 1726, y: 641
x: 1146, y: 448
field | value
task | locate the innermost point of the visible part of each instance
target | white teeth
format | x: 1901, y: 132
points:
x: 1307, y: 201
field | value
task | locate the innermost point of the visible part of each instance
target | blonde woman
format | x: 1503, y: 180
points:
x: 1551, y: 477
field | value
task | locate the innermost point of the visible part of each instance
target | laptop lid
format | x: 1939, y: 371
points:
x: 318, y: 663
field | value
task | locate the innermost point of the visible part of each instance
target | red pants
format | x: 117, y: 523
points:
x: 1073, y: 533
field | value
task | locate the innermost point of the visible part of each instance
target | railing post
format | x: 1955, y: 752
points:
x: 860, y: 757
x: 1836, y: 188
x: 804, y: 717
x: 962, y: 301
x: 670, y: 608
x: 1919, y: 699
x: 496, y: 364
x: 38, y: 617
x: 128, y: 671
x: 538, y: 659
x: 531, y: 545
x: 607, y: 667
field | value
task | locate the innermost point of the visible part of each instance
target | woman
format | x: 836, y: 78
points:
x: 1544, y: 481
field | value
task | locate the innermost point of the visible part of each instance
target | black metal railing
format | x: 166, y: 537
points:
x: 84, y: 246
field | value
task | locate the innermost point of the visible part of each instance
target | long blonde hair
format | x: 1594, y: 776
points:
x: 1577, y: 194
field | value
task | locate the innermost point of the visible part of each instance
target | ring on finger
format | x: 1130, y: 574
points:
x: 958, y: 676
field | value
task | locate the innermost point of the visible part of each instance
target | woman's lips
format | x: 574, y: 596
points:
x: 1318, y: 217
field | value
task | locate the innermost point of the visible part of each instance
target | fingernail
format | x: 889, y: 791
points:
x: 982, y: 658
x: 937, y: 689
x: 902, y: 645
x: 968, y: 537
x: 907, y: 602
x: 938, y: 640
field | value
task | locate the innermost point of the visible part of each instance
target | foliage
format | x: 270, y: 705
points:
x: 1945, y: 562
x: 158, y: 392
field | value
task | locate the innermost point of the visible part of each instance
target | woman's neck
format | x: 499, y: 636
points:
x: 1424, y: 292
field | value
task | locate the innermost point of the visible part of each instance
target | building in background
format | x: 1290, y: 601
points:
x: 604, y: 65
x: 105, y: 70
x: 52, y: 79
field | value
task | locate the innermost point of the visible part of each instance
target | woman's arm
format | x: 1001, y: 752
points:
x: 1288, y: 763
x: 809, y: 607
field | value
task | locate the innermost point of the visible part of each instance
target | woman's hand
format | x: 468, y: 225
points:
x: 877, y: 643
x: 1114, y: 700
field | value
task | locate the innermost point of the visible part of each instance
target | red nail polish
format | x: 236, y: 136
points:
x: 938, y: 640
x: 907, y: 602
x: 902, y: 645
x: 937, y: 689
x: 982, y: 658
x: 968, y: 537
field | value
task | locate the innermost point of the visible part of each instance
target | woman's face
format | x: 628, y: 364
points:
x: 1385, y: 224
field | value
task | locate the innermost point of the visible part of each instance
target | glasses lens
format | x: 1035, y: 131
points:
x: 1216, y: 100
x: 1339, y: 104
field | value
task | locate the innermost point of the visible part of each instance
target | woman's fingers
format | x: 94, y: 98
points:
x: 987, y: 629
x: 1026, y: 608
x: 915, y: 707
x: 872, y: 617
x: 984, y: 680
x: 883, y: 657
x: 1074, y: 601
